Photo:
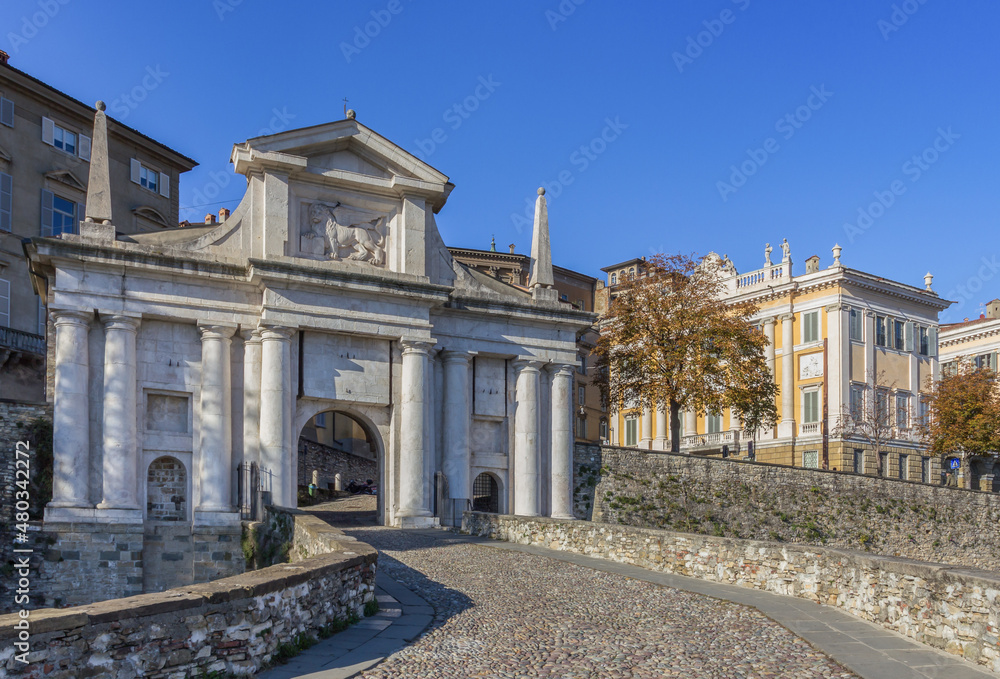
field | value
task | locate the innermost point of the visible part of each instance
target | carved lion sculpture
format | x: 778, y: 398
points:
x: 343, y: 227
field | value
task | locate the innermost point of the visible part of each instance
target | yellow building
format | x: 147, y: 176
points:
x: 976, y: 340
x: 839, y: 338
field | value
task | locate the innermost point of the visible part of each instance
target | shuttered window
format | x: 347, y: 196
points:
x: 810, y: 406
x: 59, y: 215
x: 4, y: 303
x: 66, y: 140
x: 857, y: 329
x: 6, y: 202
x: 810, y: 327
x: 148, y: 178
x: 6, y: 112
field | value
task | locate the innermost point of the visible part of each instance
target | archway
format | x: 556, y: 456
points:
x: 335, y: 441
x: 486, y: 494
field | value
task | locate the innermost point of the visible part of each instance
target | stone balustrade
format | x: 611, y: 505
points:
x: 951, y: 608
x: 232, y: 626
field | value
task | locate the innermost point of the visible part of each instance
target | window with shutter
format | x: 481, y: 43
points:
x: 857, y: 330
x: 880, y: 338
x: 48, y: 131
x: 908, y: 336
x: 85, y: 147
x: 6, y: 112
x: 4, y: 303
x: 135, y: 167
x: 47, y: 216
x: 898, y: 341
x: 6, y: 202
x: 932, y: 342
x: 810, y: 406
x: 164, y: 185
x: 810, y: 327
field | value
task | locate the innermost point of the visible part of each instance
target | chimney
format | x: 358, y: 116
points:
x: 993, y: 309
x: 223, y: 214
x: 4, y: 57
x: 210, y: 218
x: 812, y: 264
x: 511, y: 246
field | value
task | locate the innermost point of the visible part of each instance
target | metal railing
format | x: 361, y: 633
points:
x: 254, y: 490
x: 18, y: 340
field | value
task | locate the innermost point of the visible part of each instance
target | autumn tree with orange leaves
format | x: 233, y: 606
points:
x: 964, y: 413
x: 669, y: 338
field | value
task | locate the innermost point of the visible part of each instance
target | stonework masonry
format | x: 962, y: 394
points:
x: 330, y: 462
x: 230, y: 627
x: 742, y: 499
x: 953, y: 609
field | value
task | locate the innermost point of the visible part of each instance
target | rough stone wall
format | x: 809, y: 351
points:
x: 954, y: 609
x: 330, y: 461
x: 228, y: 627
x: 742, y: 499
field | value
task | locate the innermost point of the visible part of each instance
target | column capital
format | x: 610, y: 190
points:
x: 838, y: 306
x: 527, y: 364
x: 769, y: 320
x: 215, y: 331
x: 561, y: 369
x: 417, y: 346
x: 276, y: 332
x: 452, y: 356
x: 71, y: 317
x: 125, y: 322
x: 251, y: 335
x: 786, y: 317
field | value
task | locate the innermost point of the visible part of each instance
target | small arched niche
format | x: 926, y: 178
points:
x: 166, y: 490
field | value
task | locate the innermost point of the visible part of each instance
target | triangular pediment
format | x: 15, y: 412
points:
x: 348, y: 146
x: 66, y: 177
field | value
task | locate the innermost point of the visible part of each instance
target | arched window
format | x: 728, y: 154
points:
x: 614, y: 279
x: 603, y: 432
x: 166, y: 490
x: 631, y: 273
x: 485, y: 494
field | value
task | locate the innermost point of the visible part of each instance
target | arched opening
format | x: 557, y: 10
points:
x: 486, y: 494
x: 338, y: 459
x: 166, y: 490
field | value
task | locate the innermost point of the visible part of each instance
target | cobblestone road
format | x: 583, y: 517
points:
x: 509, y: 614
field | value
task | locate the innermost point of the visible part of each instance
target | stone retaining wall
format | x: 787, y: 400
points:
x: 329, y: 462
x: 232, y: 626
x: 949, y: 608
x: 742, y: 499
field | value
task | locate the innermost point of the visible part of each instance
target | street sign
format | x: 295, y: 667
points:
x: 954, y: 463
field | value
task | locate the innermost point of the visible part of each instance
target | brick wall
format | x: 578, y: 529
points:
x: 954, y: 609
x: 742, y: 499
x: 231, y: 626
x: 166, y: 490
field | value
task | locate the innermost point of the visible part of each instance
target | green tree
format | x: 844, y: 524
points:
x: 669, y: 338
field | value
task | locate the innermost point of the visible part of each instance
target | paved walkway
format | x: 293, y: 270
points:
x: 483, y: 608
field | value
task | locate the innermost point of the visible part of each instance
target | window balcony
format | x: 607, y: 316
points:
x: 810, y: 428
x: 12, y: 341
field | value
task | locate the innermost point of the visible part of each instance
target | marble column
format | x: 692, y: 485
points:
x: 457, y: 426
x: 786, y: 427
x: 121, y: 454
x: 275, y: 413
x: 251, y: 394
x: 870, y: 350
x: 690, y: 423
x: 662, y: 440
x: 562, y: 442
x: 526, y: 425
x: 646, y: 429
x: 413, y: 435
x: 836, y: 336
x: 216, y: 454
x: 71, y: 415
x: 769, y: 351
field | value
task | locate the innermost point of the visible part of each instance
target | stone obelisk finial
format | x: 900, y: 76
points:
x: 540, y: 281
x: 97, y: 223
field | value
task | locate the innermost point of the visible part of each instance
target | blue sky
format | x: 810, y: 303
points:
x: 870, y: 123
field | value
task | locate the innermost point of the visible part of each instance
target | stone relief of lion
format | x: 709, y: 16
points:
x: 338, y: 226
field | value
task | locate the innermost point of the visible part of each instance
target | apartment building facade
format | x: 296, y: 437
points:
x: 44, y: 167
x: 842, y: 341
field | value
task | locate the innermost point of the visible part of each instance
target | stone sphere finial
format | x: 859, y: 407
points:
x: 351, y: 114
x: 100, y: 105
x: 541, y: 191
